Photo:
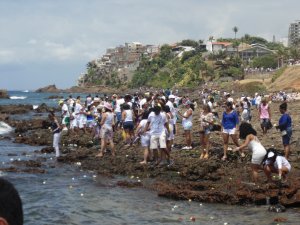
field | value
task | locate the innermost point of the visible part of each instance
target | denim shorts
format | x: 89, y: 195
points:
x: 128, y: 125
x: 286, y: 139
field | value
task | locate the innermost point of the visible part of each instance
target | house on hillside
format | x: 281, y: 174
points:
x: 216, y: 46
x: 179, y: 50
x: 254, y: 50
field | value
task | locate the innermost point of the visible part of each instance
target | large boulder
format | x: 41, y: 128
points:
x: 3, y: 94
x: 50, y: 89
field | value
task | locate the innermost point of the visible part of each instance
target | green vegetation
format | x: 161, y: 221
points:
x: 267, y: 61
x: 192, y: 68
x: 278, y: 73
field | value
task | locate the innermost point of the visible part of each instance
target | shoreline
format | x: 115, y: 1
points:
x: 190, y: 178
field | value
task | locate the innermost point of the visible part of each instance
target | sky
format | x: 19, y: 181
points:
x: 45, y: 42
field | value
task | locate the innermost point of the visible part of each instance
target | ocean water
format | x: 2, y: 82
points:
x: 65, y: 194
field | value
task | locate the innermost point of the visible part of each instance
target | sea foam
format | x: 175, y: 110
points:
x: 5, y: 128
x: 17, y: 97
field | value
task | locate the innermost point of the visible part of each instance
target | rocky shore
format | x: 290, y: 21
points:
x: 189, y: 178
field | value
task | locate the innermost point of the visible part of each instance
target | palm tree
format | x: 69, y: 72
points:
x: 235, y: 30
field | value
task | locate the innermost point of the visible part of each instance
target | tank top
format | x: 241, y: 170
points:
x: 264, y: 112
x: 109, y: 120
x: 128, y: 117
x: 189, y: 119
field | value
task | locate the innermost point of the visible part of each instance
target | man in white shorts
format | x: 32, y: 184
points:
x: 157, y: 122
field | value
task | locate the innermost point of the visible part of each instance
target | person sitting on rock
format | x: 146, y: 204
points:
x: 248, y: 134
x: 275, y: 163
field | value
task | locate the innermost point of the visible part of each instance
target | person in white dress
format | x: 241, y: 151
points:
x: 248, y: 134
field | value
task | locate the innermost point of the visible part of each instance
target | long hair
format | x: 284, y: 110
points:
x: 246, y: 129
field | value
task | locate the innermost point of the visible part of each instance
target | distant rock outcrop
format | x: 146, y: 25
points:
x: 3, y: 94
x: 50, y: 89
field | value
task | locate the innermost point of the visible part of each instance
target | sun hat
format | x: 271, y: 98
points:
x: 61, y: 101
x: 172, y: 96
x: 107, y: 106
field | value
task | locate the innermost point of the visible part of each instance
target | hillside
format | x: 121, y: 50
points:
x: 288, y: 80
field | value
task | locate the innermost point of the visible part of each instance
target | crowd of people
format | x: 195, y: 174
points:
x: 152, y: 118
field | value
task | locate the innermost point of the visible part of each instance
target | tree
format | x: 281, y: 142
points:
x: 235, y: 30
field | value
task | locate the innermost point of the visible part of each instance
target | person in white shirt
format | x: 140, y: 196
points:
x: 145, y: 137
x: 187, y: 123
x: 118, y: 111
x: 276, y: 164
x: 65, y: 114
x: 173, y: 110
x: 128, y: 125
x: 158, y: 124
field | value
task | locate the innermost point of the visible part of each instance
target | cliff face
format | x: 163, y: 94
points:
x: 3, y: 94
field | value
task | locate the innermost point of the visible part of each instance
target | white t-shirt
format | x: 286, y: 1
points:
x: 119, y: 102
x: 157, y: 123
x: 65, y: 110
x: 280, y: 162
x: 143, y: 126
x: 172, y: 109
x: 142, y: 102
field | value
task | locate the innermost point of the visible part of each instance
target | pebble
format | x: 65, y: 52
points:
x: 44, y: 182
x: 81, y: 194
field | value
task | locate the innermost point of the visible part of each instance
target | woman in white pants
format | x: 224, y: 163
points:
x: 56, y: 130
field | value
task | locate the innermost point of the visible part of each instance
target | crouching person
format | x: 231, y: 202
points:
x: 276, y: 164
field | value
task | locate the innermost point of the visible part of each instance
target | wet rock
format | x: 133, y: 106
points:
x: 15, y: 109
x: 43, y: 108
x: 30, y: 163
x: 55, y: 97
x: 47, y: 150
x: 129, y: 184
x: 3, y: 94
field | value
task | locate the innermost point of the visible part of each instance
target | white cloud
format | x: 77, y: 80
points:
x: 69, y: 31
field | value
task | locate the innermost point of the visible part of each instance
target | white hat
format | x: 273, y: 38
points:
x: 271, y: 154
x: 172, y: 96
